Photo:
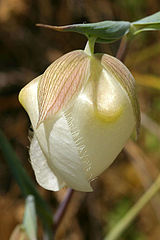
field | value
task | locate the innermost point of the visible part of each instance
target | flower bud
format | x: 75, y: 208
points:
x: 19, y: 234
x: 83, y: 109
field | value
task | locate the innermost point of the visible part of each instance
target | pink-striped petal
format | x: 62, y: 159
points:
x: 61, y: 82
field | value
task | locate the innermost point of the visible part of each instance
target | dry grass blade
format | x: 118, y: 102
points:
x: 150, y: 125
x: 146, y: 170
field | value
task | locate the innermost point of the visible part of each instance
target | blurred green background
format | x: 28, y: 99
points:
x: 25, y: 52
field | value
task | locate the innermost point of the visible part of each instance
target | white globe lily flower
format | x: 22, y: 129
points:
x: 83, y: 109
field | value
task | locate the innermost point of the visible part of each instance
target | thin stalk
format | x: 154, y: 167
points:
x: 62, y: 209
x: 133, y: 212
x: 122, y: 50
x: 89, y: 48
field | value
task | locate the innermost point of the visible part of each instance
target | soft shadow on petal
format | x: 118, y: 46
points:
x: 28, y: 98
x: 44, y: 175
x: 125, y: 78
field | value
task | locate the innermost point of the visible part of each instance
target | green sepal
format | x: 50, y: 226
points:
x: 106, y: 31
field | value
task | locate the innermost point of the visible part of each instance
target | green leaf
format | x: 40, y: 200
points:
x: 152, y: 19
x: 30, y: 218
x: 106, y: 31
x: 25, y: 183
x: 150, y: 23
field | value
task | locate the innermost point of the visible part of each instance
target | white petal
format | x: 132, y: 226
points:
x: 44, y: 175
x: 65, y: 157
x: 28, y: 98
x: 104, y: 137
x: 56, y: 142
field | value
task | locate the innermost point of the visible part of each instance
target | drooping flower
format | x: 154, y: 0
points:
x: 83, y: 109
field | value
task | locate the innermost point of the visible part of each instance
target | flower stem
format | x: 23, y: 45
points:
x: 122, y: 50
x: 62, y: 209
x: 89, y: 48
x: 132, y: 213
